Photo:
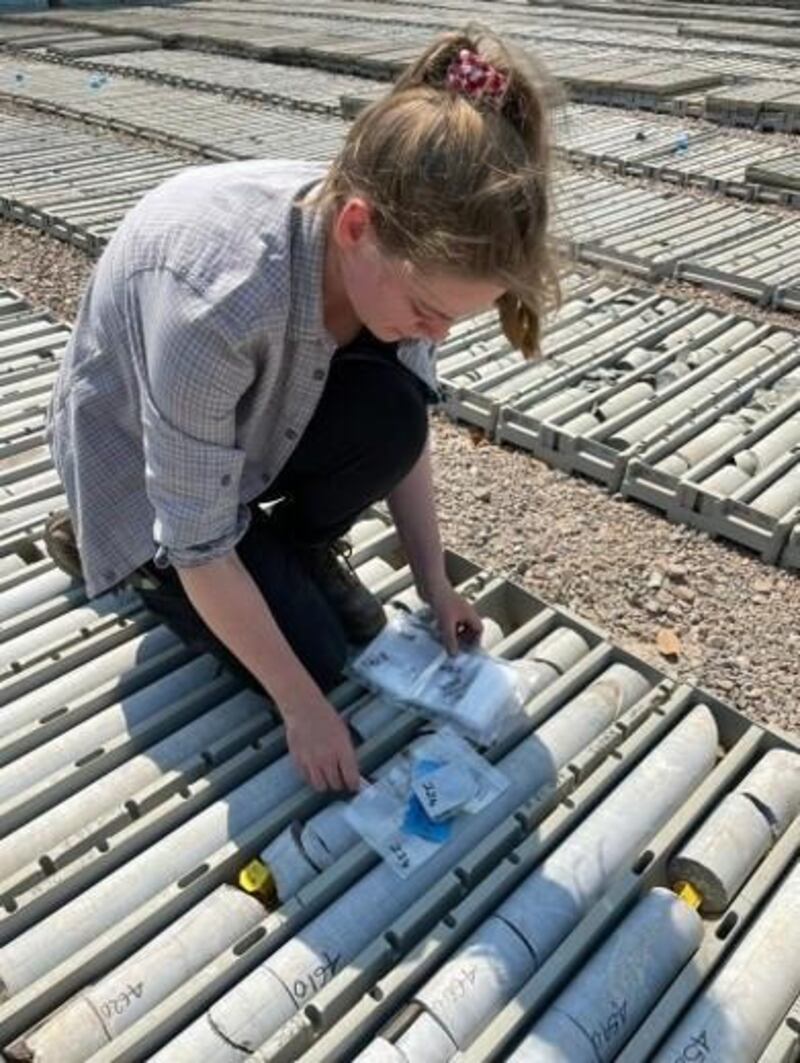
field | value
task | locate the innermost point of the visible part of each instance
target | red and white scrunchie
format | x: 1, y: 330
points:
x: 471, y: 75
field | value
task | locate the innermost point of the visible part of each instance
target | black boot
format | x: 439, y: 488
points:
x: 62, y: 545
x: 360, y: 612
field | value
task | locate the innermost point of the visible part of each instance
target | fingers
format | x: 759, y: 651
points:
x: 458, y: 622
x: 465, y: 629
x: 323, y: 774
x: 332, y: 777
x: 314, y: 776
x: 337, y: 771
x: 470, y: 625
x: 348, y: 767
x: 322, y: 777
x: 450, y: 636
x: 341, y: 770
x: 319, y: 771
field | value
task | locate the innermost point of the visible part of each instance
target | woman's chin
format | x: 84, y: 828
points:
x: 387, y: 334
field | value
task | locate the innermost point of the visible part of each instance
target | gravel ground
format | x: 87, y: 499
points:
x: 612, y: 561
x: 45, y: 271
x: 629, y: 570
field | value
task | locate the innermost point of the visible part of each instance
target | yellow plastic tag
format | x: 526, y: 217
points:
x: 255, y: 877
x: 688, y: 894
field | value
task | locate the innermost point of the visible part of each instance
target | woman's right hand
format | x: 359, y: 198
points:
x: 320, y: 744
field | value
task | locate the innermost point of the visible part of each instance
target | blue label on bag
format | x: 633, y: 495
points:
x: 418, y: 822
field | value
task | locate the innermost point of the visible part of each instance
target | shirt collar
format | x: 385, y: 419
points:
x: 309, y: 239
x: 420, y: 357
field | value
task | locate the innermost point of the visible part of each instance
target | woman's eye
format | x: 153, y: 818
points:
x: 427, y: 315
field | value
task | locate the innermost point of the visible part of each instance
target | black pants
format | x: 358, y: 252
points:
x: 365, y: 435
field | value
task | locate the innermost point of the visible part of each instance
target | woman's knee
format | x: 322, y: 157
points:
x: 398, y: 414
x: 326, y: 659
x: 315, y: 633
x: 305, y: 618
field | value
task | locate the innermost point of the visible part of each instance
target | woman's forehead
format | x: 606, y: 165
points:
x: 448, y: 294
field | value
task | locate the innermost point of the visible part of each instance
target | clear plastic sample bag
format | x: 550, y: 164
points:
x: 475, y: 692
x: 409, y: 813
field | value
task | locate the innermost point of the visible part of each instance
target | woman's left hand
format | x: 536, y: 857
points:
x: 457, y: 618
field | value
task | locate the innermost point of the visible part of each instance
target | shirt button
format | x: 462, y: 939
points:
x: 109, y: 574
x: 265, y: 477
x: 319, y: 374
x: 225, y: 480
x: 290, y: 433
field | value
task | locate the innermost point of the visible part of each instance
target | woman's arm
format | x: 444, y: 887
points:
x: 227, y: 598
x: 194, y: 377
x: 414, y: 512
x: 413, y: 509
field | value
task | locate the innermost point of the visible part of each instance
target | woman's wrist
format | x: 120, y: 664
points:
x: 433, y: 585
x: 295, y: 694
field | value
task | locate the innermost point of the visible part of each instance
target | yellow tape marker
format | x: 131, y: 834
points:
x: 256, y: 877
x: 688, y: 894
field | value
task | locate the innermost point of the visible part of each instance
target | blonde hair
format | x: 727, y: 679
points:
x: 459, y: 183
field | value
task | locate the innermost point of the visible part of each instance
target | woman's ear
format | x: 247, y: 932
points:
x: 353, y: 223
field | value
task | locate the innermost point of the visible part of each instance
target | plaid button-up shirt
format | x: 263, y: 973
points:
x: 197, y: 359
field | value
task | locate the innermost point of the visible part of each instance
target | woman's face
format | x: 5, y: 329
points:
x: 390, y: 296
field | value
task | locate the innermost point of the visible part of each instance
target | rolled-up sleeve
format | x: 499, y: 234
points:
x: 193, y: 378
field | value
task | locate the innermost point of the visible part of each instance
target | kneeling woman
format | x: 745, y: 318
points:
x: 263, y: 330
